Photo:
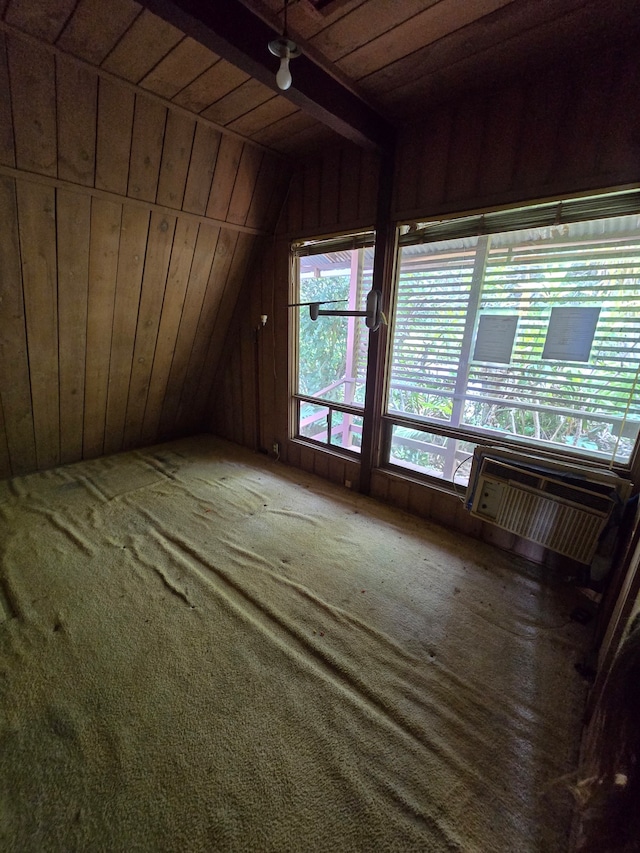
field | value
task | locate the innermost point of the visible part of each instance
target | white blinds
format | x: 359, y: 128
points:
x: 591, y: 270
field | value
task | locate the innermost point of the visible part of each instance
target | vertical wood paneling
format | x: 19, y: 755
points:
x: 501, y: 142
x: 36, y: 217
x: 73, y: 212
x: 154, y: 280
x: 131, y: 258
x: 100, y: 354
x: 429, y: 161
x: 115, y: 124
x: 200, y: 269
x: 184, y: 245
x: 176, y: 154
x: 103, y: 265
x: 215, y: 286
x: 242, y: 259
x: 409, y: 161
x: 349, y: 183
x: 224, y: 177
x: 295, y: 203
x: 620, y: 143
x: 7, y: 152
x: 267, y: 378
x: 538, y: 142
x: 33, y: 97
x: 201, y: 168
x: 368, y: 188
x: 466, y: 148
x: 281, y: 345
x: 312, y: 185
x: 266, y: 186
x: 244, y: 185
x: 146, y: 148
x: 14, y: 375
x: 330, y: 195
x: 580, y: 139
x: 77, y: 105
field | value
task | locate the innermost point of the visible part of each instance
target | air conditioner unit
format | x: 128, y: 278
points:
x: 561, y: 506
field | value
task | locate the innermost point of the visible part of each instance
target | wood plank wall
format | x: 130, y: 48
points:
x: 571, y: 129
x: 336, y: 191
x: 567, y: 131
x: 126, y: 230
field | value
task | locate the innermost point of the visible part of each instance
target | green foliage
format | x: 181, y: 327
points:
x: 322, y: 343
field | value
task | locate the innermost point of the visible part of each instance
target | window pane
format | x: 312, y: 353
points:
x: 332, y: 351
x: 326, y: 424
x: 313, y: 422
x: 532, y: 334
x: 346, y: 431
x: 431, y: 454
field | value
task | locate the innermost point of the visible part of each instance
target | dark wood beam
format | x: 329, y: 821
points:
x: 231, y: 30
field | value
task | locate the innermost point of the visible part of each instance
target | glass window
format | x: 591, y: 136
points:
x: 332, y: 350
x: 528, y: 336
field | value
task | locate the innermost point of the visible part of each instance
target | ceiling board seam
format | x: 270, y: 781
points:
x: 191, y: 82
x: 251, y: 109
x: 308, y: 48
x: 66, y: 22
x: 45, y: 180
x: 5, y: 48
x: 122, y: 35
x: 275, y: 121
x: 25, y: 331
x: 480, y: 52
x: 134, y: 87
x: 162, y: 59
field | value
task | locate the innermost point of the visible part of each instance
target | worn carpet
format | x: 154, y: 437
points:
x: 201, y: 649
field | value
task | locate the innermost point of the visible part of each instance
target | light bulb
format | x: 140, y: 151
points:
x: 283, y: 77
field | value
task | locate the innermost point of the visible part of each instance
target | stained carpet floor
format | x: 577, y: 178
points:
x: 203, y: 650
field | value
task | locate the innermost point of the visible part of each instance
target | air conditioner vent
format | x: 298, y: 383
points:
x: 509, y: 472
x: 600, y: 502
x: 565, y: 529
x: 560, y: 506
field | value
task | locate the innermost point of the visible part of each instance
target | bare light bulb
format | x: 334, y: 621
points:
x: 283, y: 77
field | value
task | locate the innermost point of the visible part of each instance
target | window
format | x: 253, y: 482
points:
x: 332, y: 350
x: 527, y: 335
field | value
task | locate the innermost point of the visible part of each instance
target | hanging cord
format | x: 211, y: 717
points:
x: 624, y: 418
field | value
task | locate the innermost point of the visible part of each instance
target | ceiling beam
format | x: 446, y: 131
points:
x: 237, y: 34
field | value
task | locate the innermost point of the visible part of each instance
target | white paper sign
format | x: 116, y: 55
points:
x: 495, y: 337
x: 570, y: 333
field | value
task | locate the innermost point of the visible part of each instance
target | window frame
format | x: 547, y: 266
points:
x: 620, y: 201
x: 348, y: 240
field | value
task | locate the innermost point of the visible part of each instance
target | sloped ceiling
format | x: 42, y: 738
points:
x: 399, y: 58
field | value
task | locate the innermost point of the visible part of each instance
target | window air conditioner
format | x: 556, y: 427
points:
x: 560, y: 506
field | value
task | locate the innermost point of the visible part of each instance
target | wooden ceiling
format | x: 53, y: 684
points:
x: 399, y: 57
